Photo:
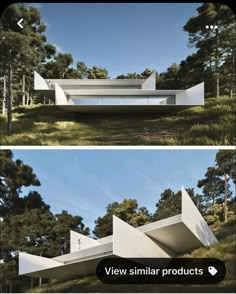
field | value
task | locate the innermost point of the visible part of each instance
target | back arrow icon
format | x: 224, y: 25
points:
x: 19, y: 23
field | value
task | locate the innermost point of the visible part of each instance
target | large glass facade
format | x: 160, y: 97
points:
x: 124, y: 100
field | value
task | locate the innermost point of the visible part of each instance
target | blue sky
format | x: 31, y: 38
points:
x: 84, y: 182
x: 123, y: 38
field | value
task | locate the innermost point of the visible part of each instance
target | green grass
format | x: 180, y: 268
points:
x: 212, y: 124
x: 224, y: 250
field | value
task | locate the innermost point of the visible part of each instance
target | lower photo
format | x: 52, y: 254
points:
x: 117, y: 221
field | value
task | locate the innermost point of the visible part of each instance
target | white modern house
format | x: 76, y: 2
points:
x: 169, y: 237
x: 98, y: 95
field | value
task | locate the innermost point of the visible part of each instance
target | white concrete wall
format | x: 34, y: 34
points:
x: 129, y: 242
x: 39, y: 82
x: 193, y: 219
x: 104, y: 240
x: 85, y: 242
x: 60, y: 96
x: 88, y: 253
x: 150, y: 82
x: 191, y: 96
x: 29, y: 263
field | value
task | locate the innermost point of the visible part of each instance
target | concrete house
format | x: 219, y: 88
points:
x: 168, y: 237
x: 101, y: 95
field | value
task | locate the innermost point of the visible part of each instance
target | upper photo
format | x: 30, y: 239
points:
x: 117, y: 74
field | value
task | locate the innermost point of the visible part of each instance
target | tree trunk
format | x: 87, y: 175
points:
x: 23, y: 90
x: 226, y: 194
x: 4, y: 95
x: 217, y: 86
x: 9, y: 98
x: 27, y: 98
x: 217, y: 66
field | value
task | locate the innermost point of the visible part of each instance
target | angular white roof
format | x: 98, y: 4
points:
x: 101, y: 95
x: 169, y: 237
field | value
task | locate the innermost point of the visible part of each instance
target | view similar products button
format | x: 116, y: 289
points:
x: 161, y: 270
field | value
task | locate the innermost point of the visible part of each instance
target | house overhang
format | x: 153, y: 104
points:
x: 169, y: 237
x: 105, y: 95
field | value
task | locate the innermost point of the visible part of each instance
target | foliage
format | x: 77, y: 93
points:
x: 216, y: 47
x: 26, y: 223
x: 169, y: 203
x: 213, y: 186
x: 26, y: 50
x: 127, y: 210
x: 216, y: 183
x: 13, y: 176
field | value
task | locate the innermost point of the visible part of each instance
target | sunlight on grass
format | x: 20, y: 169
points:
x: 64, y: 124
x: 212, y: 124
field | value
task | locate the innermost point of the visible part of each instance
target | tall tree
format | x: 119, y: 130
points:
x: 217, y: 43
x: 169, y: 203
x: 226, y: 167
x: 22, y: 51
x: 14, y: 175
x: 212, y: 185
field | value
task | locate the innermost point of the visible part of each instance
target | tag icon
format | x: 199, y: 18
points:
x: 212, y: 270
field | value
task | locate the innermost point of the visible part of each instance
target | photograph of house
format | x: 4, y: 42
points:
x: 67, y: 216
x: 113, y: 82
x: 115, y: 94
x: 164, y: 238
x: 117, y: 147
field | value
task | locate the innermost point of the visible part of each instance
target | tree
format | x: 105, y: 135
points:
x: 63, y: 224
x: 127, y: 210
x: 216, y: 45
x: 59, y: 68
x: 8, y: 273
x: 13, y: 176
x: 34, y: 201
x: 144, y: 75
x: 97, y: 73
x: 82, y: 69
x: 26, y: 223
x: 22, y: 51
x: 225, y: 166
x: 171, y: 77
x: 213, y: 186
x: 169, y: 203
x: 216, y: 186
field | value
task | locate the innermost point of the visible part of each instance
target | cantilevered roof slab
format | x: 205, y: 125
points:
x: 164, y: 238
x: 69, y: 270
x: 125, y: 92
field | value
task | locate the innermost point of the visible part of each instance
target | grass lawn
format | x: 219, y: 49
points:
x: 224, y: 250
x: 213, y: 124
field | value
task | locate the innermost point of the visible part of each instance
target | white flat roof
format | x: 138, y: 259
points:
x: 95, y: 82
x: 119, y: 92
